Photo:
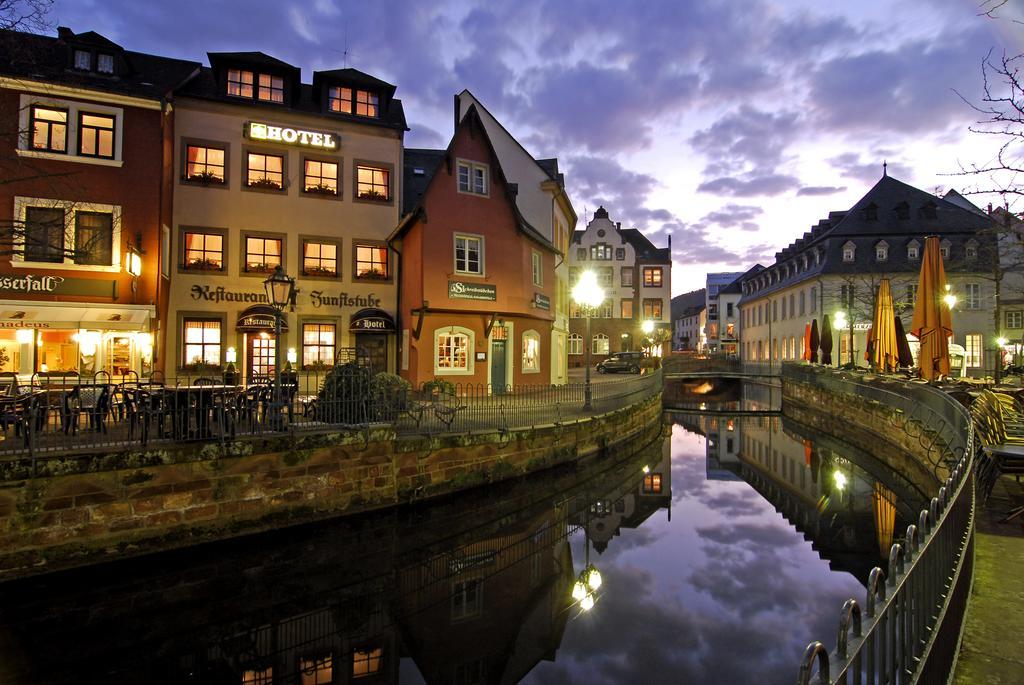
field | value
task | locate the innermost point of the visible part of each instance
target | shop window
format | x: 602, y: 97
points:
x: 472, y: 178
x: 49, y: 128
x: 203, y: 251
x: 575, y: 343
x: 652, y: 276
x: 339, y: 100
x: 467, y: 598
x: 652, y: 484
x: 626, y: 309
x: 265, y: 171
x: 204, y: 163
x: 599, y: 345
x: 373, y: 183
x: 262, y: 255
x: 240, y: 83
x: 652, y: 309
x: 371, y: 262
x: 1014, y: 319
x: 469, y: 254
x: 105, y: 63
x: 531, y: 352
x: 44, y: 234
x: 271, y: 88
x: 452, y: 353
x: 316, y: 670
x: 367, y: 661
x: 318, y: 344
x: 94, y: 238
x: 258, y: 676
x: 95, y: 135
x: 10, y: 349
x: 627, y: 276
x: 321, y: 178
x: 537, y: 261
x: 319, y: 259
x: 366, y: 104
x: 58, y: 351
x: 202, y: 341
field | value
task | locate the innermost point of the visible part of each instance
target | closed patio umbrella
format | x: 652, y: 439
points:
x: 806, y: 356
x: 904, y: 355
x: 883, y: 355
x: 869, y: 343
x: 932, y: 322
x: 815, y: 341
x: 826, y: 341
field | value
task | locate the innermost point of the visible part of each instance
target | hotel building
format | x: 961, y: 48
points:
x: 272, y: 172
x: 85, y: 196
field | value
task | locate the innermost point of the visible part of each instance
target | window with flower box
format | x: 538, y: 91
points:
x: 262, y: 255
x: 373, y: 183
x: 319, y: 259
x: 320, y: 177
x: 205, y: 163
x: 264, y: 171
x: 371, y: 261
x: 203, y: 251
x: 318, y: 344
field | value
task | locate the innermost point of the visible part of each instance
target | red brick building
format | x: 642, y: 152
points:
x: 86, y: 201
x: 477, y: 280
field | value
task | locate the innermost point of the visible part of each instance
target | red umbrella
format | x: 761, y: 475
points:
x: 806, y: 356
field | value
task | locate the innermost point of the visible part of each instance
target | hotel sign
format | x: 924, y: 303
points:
x: 256, y: 130
x: 460, y: 290
x: 33, y: 284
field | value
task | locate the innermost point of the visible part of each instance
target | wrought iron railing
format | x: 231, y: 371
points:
x: 909, y: 626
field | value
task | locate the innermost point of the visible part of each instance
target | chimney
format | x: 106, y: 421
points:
x: 64, y: 33
x: 670, y: 241
x: 618, y: 224
x: 990, y: 209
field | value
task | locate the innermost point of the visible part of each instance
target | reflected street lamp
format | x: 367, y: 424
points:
x: 589, y: 295
x: 280, y: 293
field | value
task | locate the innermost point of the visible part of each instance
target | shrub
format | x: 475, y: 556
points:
x: 389, y: 393
x: 346, y: 395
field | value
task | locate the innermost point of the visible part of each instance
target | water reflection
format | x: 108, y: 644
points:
x: 723, y: 550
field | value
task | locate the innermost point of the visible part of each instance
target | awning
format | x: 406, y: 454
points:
x: 259, y: 318
x: 63, y: 316
x: 372, y: 320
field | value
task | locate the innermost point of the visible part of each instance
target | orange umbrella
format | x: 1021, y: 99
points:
x: 806, y: 356
x: 932, y: 322
x: 884, y: 351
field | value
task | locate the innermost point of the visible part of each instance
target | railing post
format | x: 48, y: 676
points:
x: 815, y: 649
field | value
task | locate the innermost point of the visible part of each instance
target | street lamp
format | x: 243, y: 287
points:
x: 841, y: 323
x: 280, y: 293
x: 588, y: 294
x: 949, y: 298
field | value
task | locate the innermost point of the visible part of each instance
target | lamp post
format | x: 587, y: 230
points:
x: 588, y: 294
x: 280, y: 292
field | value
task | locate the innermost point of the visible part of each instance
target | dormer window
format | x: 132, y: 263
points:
x: 882, y: 251
x: 365, y: 104
x: 871, y: 212
x: 105, y: 63
x: 971, y: 250
x: 271, y: 88
x: 247, y: 84
x: 83, y: 60
x: 240, y: 83
x: 913, y: 250
x: 849, y: 251
x: 944, y: 249
x: 902, y: 211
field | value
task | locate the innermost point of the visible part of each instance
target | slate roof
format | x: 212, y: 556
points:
x: 48, y: 58
x: 255, y: 58
x: 644, y: 248
x: 892, y: 211
x: 414, y: 184
x: 737, y: 285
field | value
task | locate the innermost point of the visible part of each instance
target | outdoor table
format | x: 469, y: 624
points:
x: 181, y: 401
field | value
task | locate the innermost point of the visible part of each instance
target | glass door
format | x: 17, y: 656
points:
x: 261, y: 357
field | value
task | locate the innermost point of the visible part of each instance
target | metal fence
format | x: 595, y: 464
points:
x: 54, y: 416
x: 908, y: 629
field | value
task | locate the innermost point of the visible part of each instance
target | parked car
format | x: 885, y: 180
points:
x: 621, y: 361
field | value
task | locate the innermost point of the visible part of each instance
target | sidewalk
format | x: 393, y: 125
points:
x: 993, y: 651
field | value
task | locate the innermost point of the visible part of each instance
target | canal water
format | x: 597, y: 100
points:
x: 723, y: 549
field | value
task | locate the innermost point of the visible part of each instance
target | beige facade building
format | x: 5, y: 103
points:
x: 271, y: 172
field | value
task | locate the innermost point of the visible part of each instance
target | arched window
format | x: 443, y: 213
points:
x: 531, y: 352
x: 971, y: 249
x: 913, y: 250
x: 453, y: 351
x: 599, y: 344
x: 575, y: 343
x: 849, y: 251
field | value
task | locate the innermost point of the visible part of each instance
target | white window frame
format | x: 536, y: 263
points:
x: 528, y: 337
x: 471, y: 168
x: 1015, y: 319
x: 455, y: 262
x: 537, y: 263
x: 73, y: 108
x: 470, y: 348
x: 849, y: 252
x: 973, y: 348
x: 70, y: 210
x: 913, y: 250
x: 602, y: 338
x: 882, y: 252
x: 973, y: 295
x: 971, y: 250
x: 575, y: 343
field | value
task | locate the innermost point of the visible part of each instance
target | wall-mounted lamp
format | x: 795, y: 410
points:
x: 231, y: 355
x: 292, y: 356
x: 133, y: 263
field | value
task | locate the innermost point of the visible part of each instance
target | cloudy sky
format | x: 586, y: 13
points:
x: 731, y: 125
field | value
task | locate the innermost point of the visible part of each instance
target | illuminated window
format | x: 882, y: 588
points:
x: 319, y: 259
x: 467, y: 598
x: 626, y: 309
x: 265, y: 171
x: 321, y: 177
x: 339, y: 100
x: 599, y: 345
x: 317, y: 344
x: 202, y: 339
x: 204, y: 163
x: 258, y: 676
x: 652, y: 484
x: 531, y: 352
x: 575, y: 343
x: 49, y: 129
x: 240, y: 83
x: 367, y: 661
x: 652, y: 309
x: 472, y: 178
x: 601, y: 251
x: 204, y: 251
x: 83, y: 60
x: 972, y: 344
x: 538, y: 268
x: 96, y: 135
x: 372, y: 262
x: 262, y: 255
x: 44, y: 234
x: 366, y: 104
x: 316, y: 670
x: 453, y: 351
x: 271, y: 88
x: 373, y: 183
x: 469, y: 254
x: 105, y: 63
x: 94, y: 238
x: 652, y: 276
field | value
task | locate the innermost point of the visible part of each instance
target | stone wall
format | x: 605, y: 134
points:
x: 89, y: 509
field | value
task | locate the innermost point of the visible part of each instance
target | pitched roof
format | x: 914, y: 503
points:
x: 737, y: 285
x: 645, y: 249
x: 255, y: 58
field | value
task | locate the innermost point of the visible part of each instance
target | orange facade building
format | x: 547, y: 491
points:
x: 477, y: 281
